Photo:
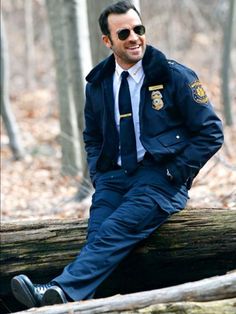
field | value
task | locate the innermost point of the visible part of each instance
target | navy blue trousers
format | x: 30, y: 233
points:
x: 125, y: 210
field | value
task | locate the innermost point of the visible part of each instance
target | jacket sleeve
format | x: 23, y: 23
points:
x: 92, y: 134
x: 203, y: 125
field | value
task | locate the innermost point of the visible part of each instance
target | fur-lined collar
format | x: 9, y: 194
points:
x: 155, y: 66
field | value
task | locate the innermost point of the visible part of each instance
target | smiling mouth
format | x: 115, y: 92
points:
x: 134, y: 47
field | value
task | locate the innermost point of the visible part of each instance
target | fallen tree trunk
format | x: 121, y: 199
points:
x: 158, y: 301
x: 192, y: 245
x: 213, y: 307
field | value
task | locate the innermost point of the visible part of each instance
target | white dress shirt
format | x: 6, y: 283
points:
x: 135, y: 81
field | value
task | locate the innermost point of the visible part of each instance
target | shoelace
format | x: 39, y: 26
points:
x: 42, y: 288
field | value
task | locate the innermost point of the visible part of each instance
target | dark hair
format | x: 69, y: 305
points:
x: 119, y: 7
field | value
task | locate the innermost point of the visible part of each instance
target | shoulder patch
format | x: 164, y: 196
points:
x: 198, y: 92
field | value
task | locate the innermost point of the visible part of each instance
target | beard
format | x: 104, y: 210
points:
x: 128, y: 57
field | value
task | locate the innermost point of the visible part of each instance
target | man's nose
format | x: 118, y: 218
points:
x: 133, y: 35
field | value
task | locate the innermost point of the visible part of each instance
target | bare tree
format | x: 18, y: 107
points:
x: 227, y: 44
x: 6, y: 111
x: 79, y: 62
x: 94, y: 7
x: 29, y: 43
x: 70, y: 38
x: 137, y: 4
x: 71, y: 150
x: 85, y: 61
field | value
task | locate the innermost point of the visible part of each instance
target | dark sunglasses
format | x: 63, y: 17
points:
x: 124, y: 33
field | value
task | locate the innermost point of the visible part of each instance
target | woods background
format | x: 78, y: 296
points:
x: 39, y: 183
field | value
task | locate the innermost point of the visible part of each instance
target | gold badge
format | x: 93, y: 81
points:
x: 156, y: 94
x: 157, y: 102
x: 198, y: 92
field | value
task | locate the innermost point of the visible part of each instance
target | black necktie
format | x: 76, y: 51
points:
x: 127, y: 134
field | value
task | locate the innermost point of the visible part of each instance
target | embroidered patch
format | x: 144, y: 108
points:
x: 199, y: 94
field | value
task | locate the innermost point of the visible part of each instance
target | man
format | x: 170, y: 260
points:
x: 149, y: 129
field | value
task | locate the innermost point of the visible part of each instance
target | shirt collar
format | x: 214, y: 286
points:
x: 136, y: 71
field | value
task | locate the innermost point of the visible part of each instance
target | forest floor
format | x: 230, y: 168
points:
x: 34, y: 188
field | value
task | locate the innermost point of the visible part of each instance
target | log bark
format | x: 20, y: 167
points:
x: 193, y: 244
x: 187, y: 297
x: 213, y: 307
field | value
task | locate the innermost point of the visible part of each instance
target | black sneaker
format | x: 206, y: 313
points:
x: 54, y: 295
x: 28, y: 293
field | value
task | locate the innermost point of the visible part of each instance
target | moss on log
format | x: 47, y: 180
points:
x: 213, y: 307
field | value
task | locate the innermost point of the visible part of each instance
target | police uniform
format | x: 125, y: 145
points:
x: 179, y: 132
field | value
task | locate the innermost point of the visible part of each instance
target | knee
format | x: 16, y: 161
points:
x: 113, y: 229
x: 108, y: 227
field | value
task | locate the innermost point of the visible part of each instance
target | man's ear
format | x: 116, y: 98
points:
x: 107, y: 42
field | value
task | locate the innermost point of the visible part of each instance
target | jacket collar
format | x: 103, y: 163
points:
x: 155, y: 66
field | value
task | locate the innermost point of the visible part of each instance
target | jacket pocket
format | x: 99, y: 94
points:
x: 173, y: 137
x: 174, y: 140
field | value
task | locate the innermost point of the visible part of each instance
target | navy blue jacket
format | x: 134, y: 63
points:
x: 177, y: 123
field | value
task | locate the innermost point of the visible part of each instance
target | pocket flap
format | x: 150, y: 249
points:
x: 173, y: 137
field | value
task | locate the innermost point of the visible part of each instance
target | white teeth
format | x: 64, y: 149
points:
x: 132, y: 48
